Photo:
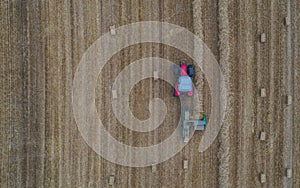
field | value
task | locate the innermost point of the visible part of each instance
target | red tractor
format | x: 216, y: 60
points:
x: 184, y: 83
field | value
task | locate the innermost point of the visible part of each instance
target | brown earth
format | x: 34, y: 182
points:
x: 42, y: 44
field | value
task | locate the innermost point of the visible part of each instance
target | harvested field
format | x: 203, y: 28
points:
x: 43, y: 42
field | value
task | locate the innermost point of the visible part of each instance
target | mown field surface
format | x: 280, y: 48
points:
x: 42, y: 44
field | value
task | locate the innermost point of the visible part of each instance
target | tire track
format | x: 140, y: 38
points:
x: 289, y: 111
x: 295, y: 8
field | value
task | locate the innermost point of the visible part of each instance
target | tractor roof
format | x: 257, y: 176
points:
x: 185, y: 84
